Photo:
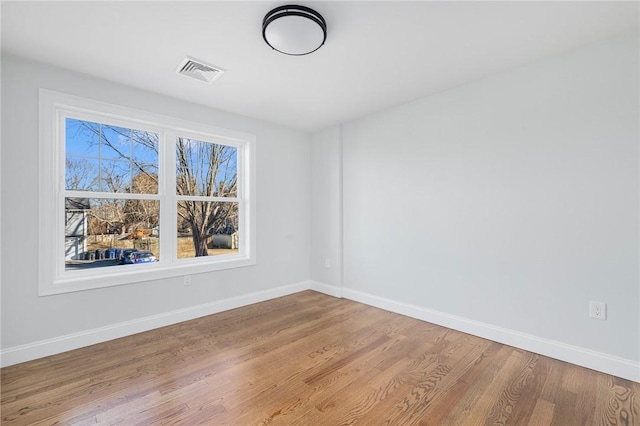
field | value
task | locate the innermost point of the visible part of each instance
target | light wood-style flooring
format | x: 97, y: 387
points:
x: 310, y: 359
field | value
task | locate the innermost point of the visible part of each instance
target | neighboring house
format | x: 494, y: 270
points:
x: 76, y: 228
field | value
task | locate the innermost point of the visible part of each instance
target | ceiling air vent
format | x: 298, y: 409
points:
x: 199, y: 70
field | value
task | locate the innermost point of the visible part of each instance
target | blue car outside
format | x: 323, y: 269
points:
x: 134, y: 256
x: 125, y: 255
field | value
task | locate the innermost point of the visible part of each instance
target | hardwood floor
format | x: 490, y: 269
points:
x: 310, y: 359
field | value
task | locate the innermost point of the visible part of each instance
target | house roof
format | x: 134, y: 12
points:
x: 75, y: 203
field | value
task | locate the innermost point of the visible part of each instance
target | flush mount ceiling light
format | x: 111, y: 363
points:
x: 294, y: 30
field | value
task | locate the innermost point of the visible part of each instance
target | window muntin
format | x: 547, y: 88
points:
x: 119, y: 162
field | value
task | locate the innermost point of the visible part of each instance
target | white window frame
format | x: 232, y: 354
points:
x: 53, y: 278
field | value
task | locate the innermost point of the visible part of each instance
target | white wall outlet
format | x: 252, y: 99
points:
x: 187, y: 280
x: 327, y: 262
x: 598, y: 310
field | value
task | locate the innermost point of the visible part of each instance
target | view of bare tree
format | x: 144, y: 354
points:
x: 207, y: 170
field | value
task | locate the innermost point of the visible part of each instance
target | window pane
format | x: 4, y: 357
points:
x: 145, y: 179
x: 207, y: 228
x: 206, y: 169
x: 106, y: 158
x: 116, y: 142
x: 115, y: 176
x: 144, y: 147
x: 110, y: 232
x: 82, y: 137
x: 82, y: 174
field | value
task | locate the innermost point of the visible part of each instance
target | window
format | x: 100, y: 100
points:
x: 130, y: 196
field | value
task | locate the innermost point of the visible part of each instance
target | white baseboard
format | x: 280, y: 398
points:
x: 594, y: 360
x: 331, y: 290
x: 28, y: 352
x: 598, y: 361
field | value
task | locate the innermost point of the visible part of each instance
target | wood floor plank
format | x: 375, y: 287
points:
x: 452, y: 396
x: 430, y: 386
x: 542, y: 413
x: 322, y: 393
x: 510, y: 396
x: 310, y: 359
x: 531, y: 391
x: 618, y: 403
x: 475, y: 404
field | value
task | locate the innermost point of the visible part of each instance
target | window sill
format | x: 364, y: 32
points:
x: 142, y: 273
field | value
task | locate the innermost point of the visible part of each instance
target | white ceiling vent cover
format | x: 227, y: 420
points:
x: 199, y: 70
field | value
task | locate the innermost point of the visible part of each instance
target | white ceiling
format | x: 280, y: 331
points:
x: 377, y: 54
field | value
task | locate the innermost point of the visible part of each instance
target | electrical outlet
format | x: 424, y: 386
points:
x: 598, y: 310
x: 327, y: 262
x: 187, y: 280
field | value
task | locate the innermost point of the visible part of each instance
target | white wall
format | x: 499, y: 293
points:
x: 504, y: 206
x: 283, y: 215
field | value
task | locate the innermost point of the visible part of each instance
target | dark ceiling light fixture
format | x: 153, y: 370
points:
x: 294, y: 30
